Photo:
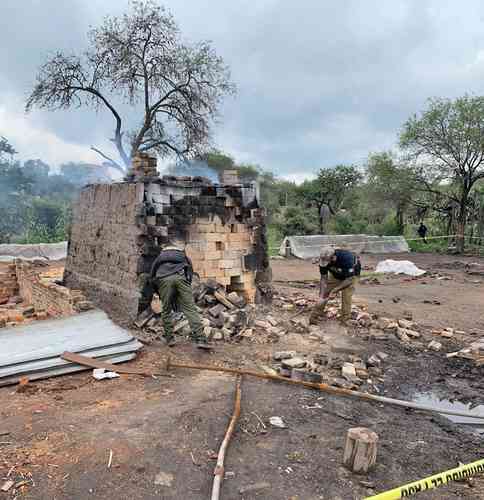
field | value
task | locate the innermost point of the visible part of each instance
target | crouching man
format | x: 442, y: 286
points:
x: 339, y: 269
x: 172, y: 274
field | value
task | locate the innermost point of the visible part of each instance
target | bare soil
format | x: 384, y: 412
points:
x: 461, y: 298
x: 57, y: 435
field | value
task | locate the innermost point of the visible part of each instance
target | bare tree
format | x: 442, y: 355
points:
x: 140, y: 59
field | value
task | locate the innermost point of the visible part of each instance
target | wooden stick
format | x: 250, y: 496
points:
x: 219, y: 471
x: 84, y: 360
x: 95, y: 363
x: 325, y: 388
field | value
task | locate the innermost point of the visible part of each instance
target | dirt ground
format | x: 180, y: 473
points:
x: 163, y: 433
x: 461, y: 299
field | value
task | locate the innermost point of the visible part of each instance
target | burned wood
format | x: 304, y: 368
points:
x: 323, y: 387
x: 83, y: 360
x: 94, y: 363
x: 223, y: 300
x: 219, y: 469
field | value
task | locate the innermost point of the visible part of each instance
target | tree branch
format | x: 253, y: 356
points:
x: 112, y: 163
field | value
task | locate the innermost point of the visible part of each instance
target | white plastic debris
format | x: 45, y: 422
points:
x: 102, y: 373
x: 399, y: 267
x: 277, y: 422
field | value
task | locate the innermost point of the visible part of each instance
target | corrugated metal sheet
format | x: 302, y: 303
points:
x: 34, y: 350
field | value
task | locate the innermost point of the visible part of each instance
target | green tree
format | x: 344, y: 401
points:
x: 218, y: 161
x: 447, y: 141
x: 294, y: 220
x: 328, y: 192
x: 391, y: 182
x: 142, y: 59
x: 46, y: 221
x: 14, y: 188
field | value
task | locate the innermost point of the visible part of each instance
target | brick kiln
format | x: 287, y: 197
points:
x: 118, y: 230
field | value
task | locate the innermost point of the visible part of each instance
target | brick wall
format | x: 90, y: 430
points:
x: 218, y: 251
x: 42, y: 293
x: 103, y: 255
x: 8, y: 282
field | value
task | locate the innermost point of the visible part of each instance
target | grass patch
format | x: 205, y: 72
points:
x: 274, y: 240
x: 432, y: 246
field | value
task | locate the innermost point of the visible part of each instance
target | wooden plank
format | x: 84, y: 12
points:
x: 223, y: 300
x: 94, y: 363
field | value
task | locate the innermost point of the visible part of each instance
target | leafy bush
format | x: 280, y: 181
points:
x: 46, y: 222
x: 389, y: 227
x: 296, y: 220
x: 274, y: 239
x: 343, y: 223
x: 432, y: 246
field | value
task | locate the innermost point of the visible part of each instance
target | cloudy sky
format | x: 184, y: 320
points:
x: 320, y: 82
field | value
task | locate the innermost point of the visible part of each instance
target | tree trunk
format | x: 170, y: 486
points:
x: 399, y: 220
x: 481, y: 223
x: 450, y: 221
x: 461, y: 224
x: 321, y: 219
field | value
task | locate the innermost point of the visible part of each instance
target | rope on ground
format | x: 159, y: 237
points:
x: 219, y: 471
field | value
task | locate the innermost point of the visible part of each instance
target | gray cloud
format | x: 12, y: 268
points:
x: 319, y: 82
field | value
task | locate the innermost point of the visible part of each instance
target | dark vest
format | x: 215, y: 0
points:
x: 171, y: 261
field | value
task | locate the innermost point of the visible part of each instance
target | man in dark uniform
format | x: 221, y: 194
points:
x: 422, y: 231
x: 339, y: 269
x: 172, y: 274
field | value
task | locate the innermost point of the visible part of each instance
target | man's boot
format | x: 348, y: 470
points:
x: 169, y: 341
x: 201, y: 341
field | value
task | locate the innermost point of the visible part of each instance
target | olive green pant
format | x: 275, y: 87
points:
x: 346, y: 299
x: 176, y: 289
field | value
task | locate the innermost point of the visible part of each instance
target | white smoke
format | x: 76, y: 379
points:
x: 195, y: 168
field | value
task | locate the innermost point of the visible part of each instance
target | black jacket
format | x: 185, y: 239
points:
x: 343, y: 265
x: 172, y: 261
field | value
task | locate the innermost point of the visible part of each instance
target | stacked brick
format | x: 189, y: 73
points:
x: 103, y: 256
x: 38, y: 295
x: 143, y: 166
x: 218, y: 252
x: 8, y: 282
x: 229, y: 177
x: 38, y: 287
x: 43, y: 294
x: 119, y: 229
x: 220, y: 228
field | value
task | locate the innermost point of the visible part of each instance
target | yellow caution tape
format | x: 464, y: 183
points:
x: 431, y: 482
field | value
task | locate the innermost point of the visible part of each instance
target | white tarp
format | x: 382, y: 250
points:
x: 42, y: 251
x: 309, y: 247
x: 399, y: 267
